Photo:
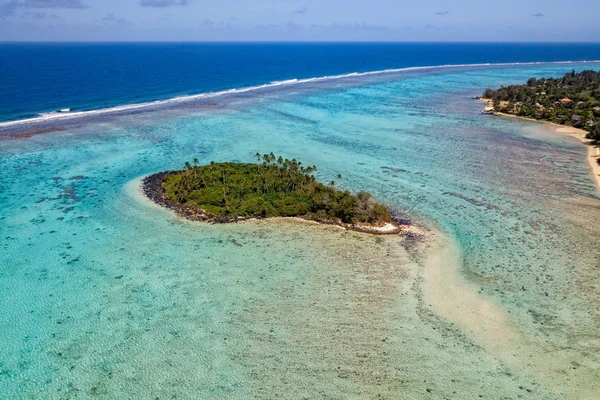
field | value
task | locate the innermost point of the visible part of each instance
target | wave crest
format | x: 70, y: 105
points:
x: 52, y: 116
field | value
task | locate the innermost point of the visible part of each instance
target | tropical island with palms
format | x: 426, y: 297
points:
x: 272, y: 187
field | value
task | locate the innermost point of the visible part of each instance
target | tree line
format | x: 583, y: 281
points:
x: 572, y: 100
x: 273, y: 186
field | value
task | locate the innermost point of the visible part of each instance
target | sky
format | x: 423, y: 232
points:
x: 300, y: 20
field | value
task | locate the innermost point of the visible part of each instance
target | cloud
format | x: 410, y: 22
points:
x: 212, y: 24
x: 442, y: 13
x: 7, y: 9
x: 208, y: 23
x: 50, y: 4
x: 41, y: 19
x: 163, y: 3
x: 111, y: 19
x: 36, y: 15
x: 10, y: 7
x: 538, y: 15
x: 301, y: 11
x: 357, y: 26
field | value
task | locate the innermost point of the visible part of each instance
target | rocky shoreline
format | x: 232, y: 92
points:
x: 152, y: 188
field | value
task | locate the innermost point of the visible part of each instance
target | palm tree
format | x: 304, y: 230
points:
x: 202, y: 177
x: 185, y: 181
x: 257, y: 183
x: 212, y: 168
x: 195, y: 166
x: 332, y: 183
x: 225, y: 200
x: 339, y: 176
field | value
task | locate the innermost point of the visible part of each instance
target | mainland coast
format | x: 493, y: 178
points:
x: 593, y: 153
x: 570, y: 103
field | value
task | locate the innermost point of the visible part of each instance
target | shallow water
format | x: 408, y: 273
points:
x: 107, y: 295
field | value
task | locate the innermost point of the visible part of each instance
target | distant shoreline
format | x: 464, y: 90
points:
x: 151, y: 186
x: 593, y: 153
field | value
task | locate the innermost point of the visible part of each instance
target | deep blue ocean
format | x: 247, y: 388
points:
x: 41, y: 78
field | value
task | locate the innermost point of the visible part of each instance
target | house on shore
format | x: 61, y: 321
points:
x: 488, y: 110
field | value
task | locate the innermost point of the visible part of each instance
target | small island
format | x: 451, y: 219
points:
x: 272, y: 187
x: 573, y: 100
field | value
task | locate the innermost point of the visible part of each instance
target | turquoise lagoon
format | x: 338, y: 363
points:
x: 105, y: 295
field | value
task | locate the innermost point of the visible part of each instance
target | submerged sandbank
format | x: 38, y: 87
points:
x: 357, y: 318
x: 490, y: 326
x: 434, y: 282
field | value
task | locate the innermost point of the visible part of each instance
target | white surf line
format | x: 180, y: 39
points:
x: 289, y: 82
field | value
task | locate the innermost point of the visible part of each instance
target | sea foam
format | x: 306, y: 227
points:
x: 56, y: 115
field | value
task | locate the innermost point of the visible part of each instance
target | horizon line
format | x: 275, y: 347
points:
x: 290, y: 42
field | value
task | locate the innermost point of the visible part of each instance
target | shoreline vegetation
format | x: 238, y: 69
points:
x: 272, y: 188
x: 571, y: 104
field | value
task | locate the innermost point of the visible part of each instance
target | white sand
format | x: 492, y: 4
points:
x: 593, y: 152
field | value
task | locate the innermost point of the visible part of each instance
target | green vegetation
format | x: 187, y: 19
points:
x: 272, y: 187
x: 572, y: 100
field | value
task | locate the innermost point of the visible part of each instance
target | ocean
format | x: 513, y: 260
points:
x: 106, y: 295
x: 40, y: 78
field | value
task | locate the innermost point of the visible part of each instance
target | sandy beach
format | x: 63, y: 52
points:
x: 593, y: 153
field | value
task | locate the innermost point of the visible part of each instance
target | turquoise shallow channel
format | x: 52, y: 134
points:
x: 495, y: 295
